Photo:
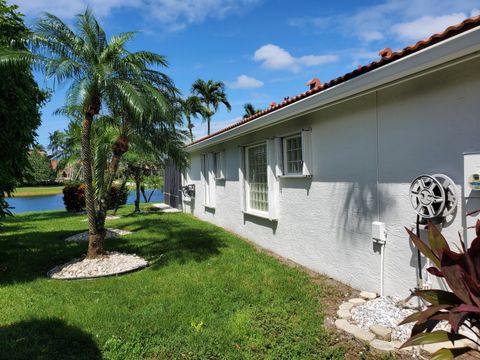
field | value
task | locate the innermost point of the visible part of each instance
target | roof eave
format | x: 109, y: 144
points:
x: 443, y: 52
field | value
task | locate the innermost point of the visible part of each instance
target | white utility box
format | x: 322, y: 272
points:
x: 379, y: 232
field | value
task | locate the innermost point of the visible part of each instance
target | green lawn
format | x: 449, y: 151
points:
x: 37, y: 191
x: 207, y: 295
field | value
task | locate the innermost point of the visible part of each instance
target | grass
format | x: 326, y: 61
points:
x: 37, y: 191
x: 207, y: 295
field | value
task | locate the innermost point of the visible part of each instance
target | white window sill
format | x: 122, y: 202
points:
x: 220, y: 178
x: 259, y: 214
x: 295, y: 176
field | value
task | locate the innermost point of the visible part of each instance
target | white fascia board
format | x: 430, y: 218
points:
x: 421, y: 61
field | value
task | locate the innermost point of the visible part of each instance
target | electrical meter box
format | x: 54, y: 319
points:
x: 379, y: 232
x: 471, y: 174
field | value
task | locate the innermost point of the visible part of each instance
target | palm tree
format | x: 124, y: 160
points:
x: 212, y: 94
x: 249, y: 110
x: 192, y: 107
x: 102, y: 76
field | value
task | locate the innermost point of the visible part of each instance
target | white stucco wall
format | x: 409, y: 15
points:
x: 366, y: 151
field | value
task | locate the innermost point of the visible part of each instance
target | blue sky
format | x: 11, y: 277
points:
x: 263, y: 50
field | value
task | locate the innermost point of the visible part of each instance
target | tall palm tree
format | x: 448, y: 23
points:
x: 249, y: 110
x: 212, y: 94
x: 193, y: 107
x: 103, y: 76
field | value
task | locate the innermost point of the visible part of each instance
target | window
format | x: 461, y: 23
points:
x: 256, y: 176
x: 292, y: 150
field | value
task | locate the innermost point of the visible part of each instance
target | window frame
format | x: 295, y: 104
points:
x: 249, y: 209
x: 219, y: 165
x: 285, y: 154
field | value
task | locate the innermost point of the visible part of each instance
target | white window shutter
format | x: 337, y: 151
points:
x: 223, y: 165
x: 307, y: 169
x: 241, y: 179
x: 204, y: 178
x: 211, y: 179
x: 278, y: 157
x: 273, y: 187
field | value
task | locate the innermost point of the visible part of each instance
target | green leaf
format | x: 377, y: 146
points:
x: 424, y: 249
x: 432, y: 338
x: 438, y: 297
x: 425, y: 314
x: 436, y: 240
x: 446, y: 354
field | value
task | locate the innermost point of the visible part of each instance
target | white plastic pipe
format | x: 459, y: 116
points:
x: 382, y: 263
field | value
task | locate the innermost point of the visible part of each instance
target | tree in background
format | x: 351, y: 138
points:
x: 40, y: 170
x: 211, y: 94
x: 193, y: 107
x: 249, y: 110
x: 20, y: 102
x: 102, y: 76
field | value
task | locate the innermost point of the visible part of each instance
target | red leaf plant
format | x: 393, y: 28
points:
x: 460, y: 307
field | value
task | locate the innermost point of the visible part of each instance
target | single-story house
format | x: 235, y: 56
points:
x: 324, y: 178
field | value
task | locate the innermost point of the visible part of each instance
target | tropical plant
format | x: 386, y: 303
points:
x: 192, y: 107
x: 104, y: 77
x: 249, y: 110
x: 212, y: 94
x: 460, y: 307
x: 20, y: 102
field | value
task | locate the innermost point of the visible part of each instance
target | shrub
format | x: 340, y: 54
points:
x: 459, y: 307
x: 74, y: 197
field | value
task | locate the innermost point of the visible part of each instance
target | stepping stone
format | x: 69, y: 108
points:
x: 341, y: 324
x: 382, y: 345
x: 382, y: 332
x: 161, y: 206
x: 344, y: 314
x: 170, y: 211
x: 368, y: 295
x: 346, y: 306
x: 359, y: 333
x: 357, y: 301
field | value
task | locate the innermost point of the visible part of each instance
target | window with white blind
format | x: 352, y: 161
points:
x: 208, y: 180
x: 256, y: 177
x: 292, y: 154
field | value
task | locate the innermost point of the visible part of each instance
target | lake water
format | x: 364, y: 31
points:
x: 55, y: 202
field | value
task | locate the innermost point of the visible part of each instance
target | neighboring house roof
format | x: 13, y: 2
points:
x: 387, y: 56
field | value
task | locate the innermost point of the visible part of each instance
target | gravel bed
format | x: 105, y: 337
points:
x: 109, y: 234
x: 383, y: 311
x: 112, y: 263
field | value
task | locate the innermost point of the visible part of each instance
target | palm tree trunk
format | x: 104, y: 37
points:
x: 208, y: 122
x: 96, y: 233
x: 137, y: 194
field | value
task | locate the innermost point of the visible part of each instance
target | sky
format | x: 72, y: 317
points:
x: 263, y: 50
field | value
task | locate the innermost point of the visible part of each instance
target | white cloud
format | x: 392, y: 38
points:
x: 426, y: 26
x: 177, y: 14
x: 274, y: 57
x: 393, y: 19
x: 245, y: 82
x: 369, y: 36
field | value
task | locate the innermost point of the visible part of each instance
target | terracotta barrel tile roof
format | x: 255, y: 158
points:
x: 387, y: 56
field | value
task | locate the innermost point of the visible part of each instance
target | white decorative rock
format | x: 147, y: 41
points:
x: 161, y: 206
x: 344, y: 314
x: 382, y: 345
x: 357, y: 301
x: 345, y: 306
x: 368, y: 295
x: 381, y: 332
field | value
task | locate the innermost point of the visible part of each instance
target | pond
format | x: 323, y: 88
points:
x: 55, y: 202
